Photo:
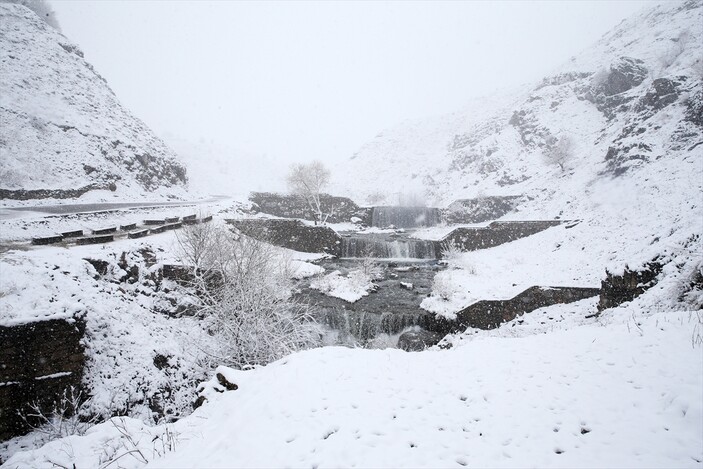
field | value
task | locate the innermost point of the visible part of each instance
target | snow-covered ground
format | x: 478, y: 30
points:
x: 128, y: 323
x: 622, y: 390
x: 556, y: 387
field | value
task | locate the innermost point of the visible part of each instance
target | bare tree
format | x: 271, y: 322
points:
x: 560, y: 152
x: 243, y: 286
x: 308, y: 181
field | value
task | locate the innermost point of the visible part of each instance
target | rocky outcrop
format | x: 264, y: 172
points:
x: 694, y: 108
x: 292, y: 234
x: 38, y: 362
x: 662, y: 93
x: 418, y: 340
x: 609, y: 89
x: 618, y: 289
x: 624, y: 74
x: 490, y: 314
x: 340, y: 209
x: 479, y: 209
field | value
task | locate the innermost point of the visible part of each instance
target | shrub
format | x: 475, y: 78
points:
x: 243, y: 286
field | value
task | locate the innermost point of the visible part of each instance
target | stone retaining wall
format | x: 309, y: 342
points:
x: 292, y: 234
x: 489, y: 314
x: 495, y: 234
x: 617, y: 289
x: 30, y: 194
x: 341, y: 209
x: 38, y: 361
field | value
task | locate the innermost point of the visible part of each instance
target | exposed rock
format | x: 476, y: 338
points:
x: 662, y: 93
x: 479, y: 209
x: 620, y: 158
x: 532, y: 133
x: 225, y: 383
x: 694, y: 108
x: 625, y: 74
x: 608, y: 90
x: 417, y: 341
x: 99, y: 265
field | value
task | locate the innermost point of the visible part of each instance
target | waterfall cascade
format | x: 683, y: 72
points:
x: 358, y: 246
x: 364, y: 325
x: 404, y: 217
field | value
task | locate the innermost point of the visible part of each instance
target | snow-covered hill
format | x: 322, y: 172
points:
x: 62, y: 130
x: 631, y: 106
x: 637, y: 91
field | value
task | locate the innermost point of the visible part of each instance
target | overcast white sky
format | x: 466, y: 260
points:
x: 298, y: 81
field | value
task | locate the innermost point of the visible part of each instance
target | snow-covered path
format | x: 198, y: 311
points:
x: 590, y: 396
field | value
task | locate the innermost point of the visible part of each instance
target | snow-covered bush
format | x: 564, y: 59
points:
x: 451, y: 251
x: 442, y: 287
x: 453, y: 255
x: 370, y: 267
x: 243, y: 285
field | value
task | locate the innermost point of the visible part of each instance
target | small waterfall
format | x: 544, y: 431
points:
x: 357, y: 246
x: 360, y: 324
x: 404, y: 217
x: 365, y: 326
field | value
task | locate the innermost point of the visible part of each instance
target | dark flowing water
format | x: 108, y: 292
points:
x: 389, y: 310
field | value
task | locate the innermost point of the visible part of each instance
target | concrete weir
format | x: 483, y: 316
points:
x: 384, y: 248
x: 405, y: 217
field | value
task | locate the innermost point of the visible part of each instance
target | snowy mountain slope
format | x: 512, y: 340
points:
x: 62, y: 129
x: 646, y: 71
x: 631, y: 106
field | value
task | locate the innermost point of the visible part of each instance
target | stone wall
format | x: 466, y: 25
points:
x: 495, y: 234
x: 479, y: 209
x: 38, y: 361
x: 490, y: 314
x: 22, y: 194
x: 617, y: 289
x: 341, y: 209
x: 292, y: 234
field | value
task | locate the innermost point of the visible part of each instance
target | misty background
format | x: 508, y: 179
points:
x: 275, y: 82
